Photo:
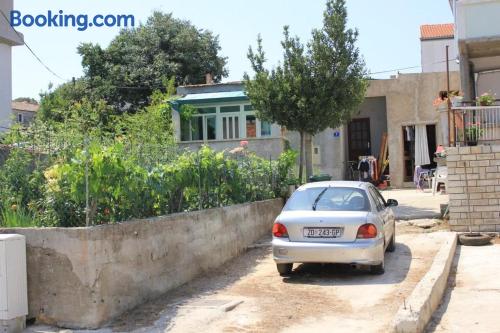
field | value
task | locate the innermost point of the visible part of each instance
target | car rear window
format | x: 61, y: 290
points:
x: 330, y: 199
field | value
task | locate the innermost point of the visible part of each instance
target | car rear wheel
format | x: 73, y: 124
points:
x: 284, y: 269
x: 392, y: 244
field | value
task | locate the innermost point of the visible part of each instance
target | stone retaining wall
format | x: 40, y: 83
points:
x: 84, y: 277
x: 474, y: 188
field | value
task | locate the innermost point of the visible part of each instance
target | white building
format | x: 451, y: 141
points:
x: 478, y: 39
x: 8, y: 38
x: 433, y: 41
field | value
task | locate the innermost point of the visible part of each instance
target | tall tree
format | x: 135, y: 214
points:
x: 141, y: 60
x: 317, y: 86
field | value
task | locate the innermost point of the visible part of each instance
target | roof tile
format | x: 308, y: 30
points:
x: 437, y: 31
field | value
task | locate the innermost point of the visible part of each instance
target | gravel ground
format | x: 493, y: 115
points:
x: 315, y: 298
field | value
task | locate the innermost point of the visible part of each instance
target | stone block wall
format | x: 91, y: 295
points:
x: 474, y: 188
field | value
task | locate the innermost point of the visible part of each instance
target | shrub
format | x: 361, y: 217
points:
x: 120, y: 188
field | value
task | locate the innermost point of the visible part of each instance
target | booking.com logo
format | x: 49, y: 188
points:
x: 82, y: 21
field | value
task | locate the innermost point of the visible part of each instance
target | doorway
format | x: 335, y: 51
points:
x: 409, y: 150
x: 359, y: 138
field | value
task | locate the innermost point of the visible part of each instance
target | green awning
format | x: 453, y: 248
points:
x: 216, y: 97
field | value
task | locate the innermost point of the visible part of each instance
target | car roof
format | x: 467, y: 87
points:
x: 338, y: 183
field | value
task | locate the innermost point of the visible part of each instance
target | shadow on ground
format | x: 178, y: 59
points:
x: 157, y: 315
x: 441, y: 310
x: 397, y: 266
x: 406, y: 212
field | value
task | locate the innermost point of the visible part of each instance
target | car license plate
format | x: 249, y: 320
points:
x: 323, y: 232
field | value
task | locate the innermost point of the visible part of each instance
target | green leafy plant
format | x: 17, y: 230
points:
x: 16, y: 217
x: 473, y: 132
x: 119, y: 188
x: 486, y: 99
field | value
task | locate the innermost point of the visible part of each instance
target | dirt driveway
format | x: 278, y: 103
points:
x: 314, y: 298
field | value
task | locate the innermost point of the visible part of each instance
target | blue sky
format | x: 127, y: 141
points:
x: 389, y: 31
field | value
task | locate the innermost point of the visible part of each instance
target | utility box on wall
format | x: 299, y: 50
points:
x: 13, y: 283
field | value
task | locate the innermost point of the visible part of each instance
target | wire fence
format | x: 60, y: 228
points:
x: 59, y: 180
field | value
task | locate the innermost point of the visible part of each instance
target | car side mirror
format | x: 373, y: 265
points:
x: 391, y: 203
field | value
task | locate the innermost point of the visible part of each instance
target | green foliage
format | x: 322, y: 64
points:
x: 14, y: 217
x: 139, y: 60
x: 19, y: 182
x: 486, y: 99
x: 317, y: 86
x: 120, y: 189
x: 21, y: 188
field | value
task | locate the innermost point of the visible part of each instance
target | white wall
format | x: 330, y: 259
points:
x: 8, y: 38
x: 433, y: 55
x: 5, y: 86
x: 477, y: 18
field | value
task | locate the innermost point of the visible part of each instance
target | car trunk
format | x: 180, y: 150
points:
x: 323, y: 226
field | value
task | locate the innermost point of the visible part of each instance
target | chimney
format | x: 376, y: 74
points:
x: 209, y: 79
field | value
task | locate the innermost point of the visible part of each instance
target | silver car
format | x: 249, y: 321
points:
x: 334, y: 222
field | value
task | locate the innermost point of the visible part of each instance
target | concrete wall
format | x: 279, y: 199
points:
x: 28, y: 117
x: 409, y: 100
x: 375, y: 108
x: 263, y: 147
x: 390, y: 104
x: 332, y: 143
x: 84, y: 277
x: 475, y: 197
x: 433, y: 55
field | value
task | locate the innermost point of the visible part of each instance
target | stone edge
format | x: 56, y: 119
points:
x: 415, y: 313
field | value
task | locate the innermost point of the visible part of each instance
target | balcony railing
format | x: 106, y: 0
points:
x: 476, y: 124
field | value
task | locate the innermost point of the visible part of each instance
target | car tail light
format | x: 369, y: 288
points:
x: 279, y: 230
x: 367, y: 231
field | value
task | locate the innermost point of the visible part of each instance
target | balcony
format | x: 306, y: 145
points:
x: 478, y: 38
x: 474, y: 19
x: 476, y: 125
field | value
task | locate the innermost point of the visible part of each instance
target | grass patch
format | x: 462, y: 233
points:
x: 16, y: 218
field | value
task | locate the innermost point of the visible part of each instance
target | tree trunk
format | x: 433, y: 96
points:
x: 301, y: 157
x: 308, y: 153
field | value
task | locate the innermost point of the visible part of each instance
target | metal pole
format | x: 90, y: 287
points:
x: 87, y: 209
x: 448, y: 93
x: 200, y: 203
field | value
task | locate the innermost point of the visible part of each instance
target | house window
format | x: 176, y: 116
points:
x: 19, y: 118
x: 230, y: 127
x: 251, y: 125
x: 206, y: 110
x: 265, y: 128
x: 196, y: 128
x: 232, y: 108
x: 225, y: 122
x: 199, y: 128
x: 211, y: 127
x: 185, y: 130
